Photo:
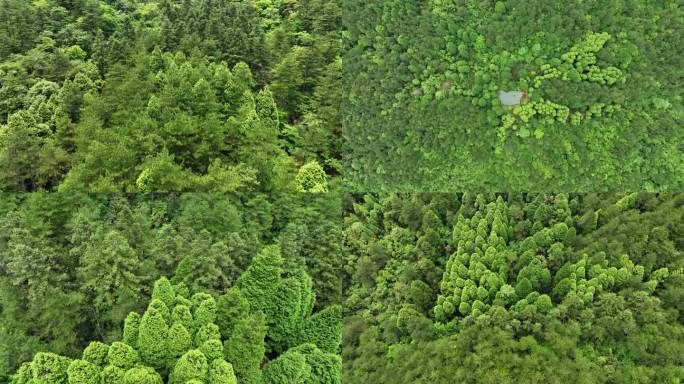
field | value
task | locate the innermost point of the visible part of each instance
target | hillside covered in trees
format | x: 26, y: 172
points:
x: 170, y: 288
x: 169, y: 95
x: 513, y: 288
x: 598, y: 86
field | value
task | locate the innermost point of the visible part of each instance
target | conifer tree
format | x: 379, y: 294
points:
x: 153, y: 338
x: 245, y: 348
x: 260, y: 282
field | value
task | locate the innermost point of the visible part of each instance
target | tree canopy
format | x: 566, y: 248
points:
x: 76, y: 269
x: 601, y: 105
x: 169, y: 95
x: 491, y: 288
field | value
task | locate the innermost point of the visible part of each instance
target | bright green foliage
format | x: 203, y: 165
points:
x: 131, y: 328
x: 191, y: 366
x: 209, y: 363
x: 181, y: 315
x: 48, y: 368
x: 122, y: 355
x: 323, y: 329
x: 49, y: 307
x: 205, y: 312
x: 212, y: 349
x: 259, y: 283
x: 207, y: 266
x: 25, y: 144
x: 289, y: 368
x: 325, y: 367
x: 166, y: 95
x: 532, y: 287
x: 142, y: 375
x: 311, y: 178
x: 179, y: 340
x: 113, y: 375
x: 24, y: 375
x: 245, y: 348
x: 597, y: 84
x: 207, y: 332
x: 221, y: 372
x: 295, y: 302
x: 153, y: 338
x: 83, y: 372
x: 163, y: 291
x: 304, y: 364
x: 96, y: 353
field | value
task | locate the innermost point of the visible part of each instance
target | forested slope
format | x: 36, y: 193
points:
x: 509, y: 288
x: 599, y: 82
x: 72, y: 268
x: 169, y: 95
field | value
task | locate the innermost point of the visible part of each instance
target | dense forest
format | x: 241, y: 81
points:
x: 169, y: 95
x: 598, y: 82
x: 147, y: 288
x: 277, y: 191
x: 514, y: 288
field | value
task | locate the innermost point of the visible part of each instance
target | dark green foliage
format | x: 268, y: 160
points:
x: 519, y: 288
x: 601, y: 83
x: 57, y: 293
x: 232, y: 306
x: 167, y: 95
x: 245, y: 348
x: 194, y: 349
x: 323, y: 329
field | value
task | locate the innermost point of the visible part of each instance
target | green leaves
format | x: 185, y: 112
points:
x: 83, y: 372
x: 191, y: 366
x: 289, y: 368
x: 312, y: 178
x: 245, y: 348
x: 198, y: 353
x: 49, y: 368
x: 553, y: 292
x: 323, y: 329
x: 152, y: 97
x: 153, y: 338
x: 221, y: 372
x: 122, y: 355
